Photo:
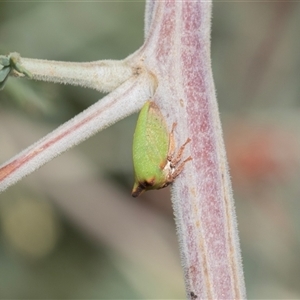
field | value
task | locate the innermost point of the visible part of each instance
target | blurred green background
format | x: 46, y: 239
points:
x: 71, y: 230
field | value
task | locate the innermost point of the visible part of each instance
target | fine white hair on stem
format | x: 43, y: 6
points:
x: 148, y: 16
x: 102, y: 75
x: 125, y: 100
x: 173, y: 66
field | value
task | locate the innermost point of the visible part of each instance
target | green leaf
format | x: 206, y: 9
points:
x: 4, y: 61
x: 4, y: 73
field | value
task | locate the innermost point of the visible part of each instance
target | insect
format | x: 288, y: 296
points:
x: 155, y: 163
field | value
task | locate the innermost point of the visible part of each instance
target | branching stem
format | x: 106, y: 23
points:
x: 173, y: 67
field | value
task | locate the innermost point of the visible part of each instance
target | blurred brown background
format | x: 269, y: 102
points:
x: 71, y: 229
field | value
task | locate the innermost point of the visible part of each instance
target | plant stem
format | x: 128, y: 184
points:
x: 103, y: 75
x: 174, y: 68
x: 177, y: 49
x: 125, y: 100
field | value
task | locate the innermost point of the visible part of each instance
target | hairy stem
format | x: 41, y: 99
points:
x: 103, y: 75
x: 125, y: 100
x: 174, y: 68
x: 178, y: 50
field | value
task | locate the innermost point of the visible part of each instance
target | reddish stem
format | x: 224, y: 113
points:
x: 177, y: 51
